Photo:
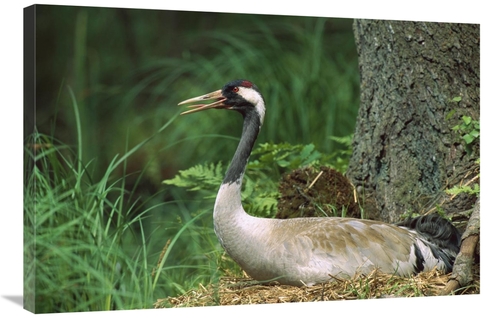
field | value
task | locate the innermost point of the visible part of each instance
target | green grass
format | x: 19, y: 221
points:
x: 87, y: 246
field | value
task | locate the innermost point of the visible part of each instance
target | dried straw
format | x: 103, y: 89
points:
x: 239, y: 291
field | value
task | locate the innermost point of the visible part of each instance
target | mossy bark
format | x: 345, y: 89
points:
x: 405, y: 152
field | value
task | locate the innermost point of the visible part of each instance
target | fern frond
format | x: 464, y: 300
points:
x: 206, y: 176
x: 260, y: 197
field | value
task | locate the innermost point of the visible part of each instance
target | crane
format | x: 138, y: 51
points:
x: 309, y: 251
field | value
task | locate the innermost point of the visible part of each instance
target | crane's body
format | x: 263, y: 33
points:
x: 307, y: 251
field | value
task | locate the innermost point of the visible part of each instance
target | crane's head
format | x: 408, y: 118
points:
x: 239, y: 95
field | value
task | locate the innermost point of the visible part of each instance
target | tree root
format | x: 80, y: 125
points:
x: 462, y: 274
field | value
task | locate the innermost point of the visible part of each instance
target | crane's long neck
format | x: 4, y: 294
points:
x: 251, y: 129
x: 229, y: 196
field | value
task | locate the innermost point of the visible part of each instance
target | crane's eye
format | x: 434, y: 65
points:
x: 236, y: 89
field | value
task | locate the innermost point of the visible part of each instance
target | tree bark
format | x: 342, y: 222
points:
x: 417, y: 81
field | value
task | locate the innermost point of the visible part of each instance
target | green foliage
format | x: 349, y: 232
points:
x: 342, y: 153
x: 284, y: 155
x: 469, y: 132
x: 199, y: 177
x: 273, y: 156
x: 464, y: 189
x: 469, y: 129
x: 260, y: 195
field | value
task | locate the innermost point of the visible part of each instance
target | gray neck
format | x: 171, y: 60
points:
x: 251, y: 129
x: 228, y: 202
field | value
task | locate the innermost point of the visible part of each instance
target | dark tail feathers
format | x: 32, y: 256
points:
x: 440, y: 233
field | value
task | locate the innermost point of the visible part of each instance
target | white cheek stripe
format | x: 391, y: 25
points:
x: 255, y: 98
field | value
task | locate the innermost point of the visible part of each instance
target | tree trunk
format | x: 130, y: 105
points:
x: 417, y: 81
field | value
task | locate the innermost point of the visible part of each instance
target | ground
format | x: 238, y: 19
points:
x: 240, y: 291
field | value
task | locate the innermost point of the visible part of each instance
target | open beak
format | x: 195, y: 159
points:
x: 218, y: 103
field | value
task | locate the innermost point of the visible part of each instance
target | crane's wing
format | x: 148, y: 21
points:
x: 342, y: 247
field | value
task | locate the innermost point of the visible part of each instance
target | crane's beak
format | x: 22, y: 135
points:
x: 217, y: 96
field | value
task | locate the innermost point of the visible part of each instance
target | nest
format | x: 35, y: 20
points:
x: 240, y: 291
x: 307, y: 192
